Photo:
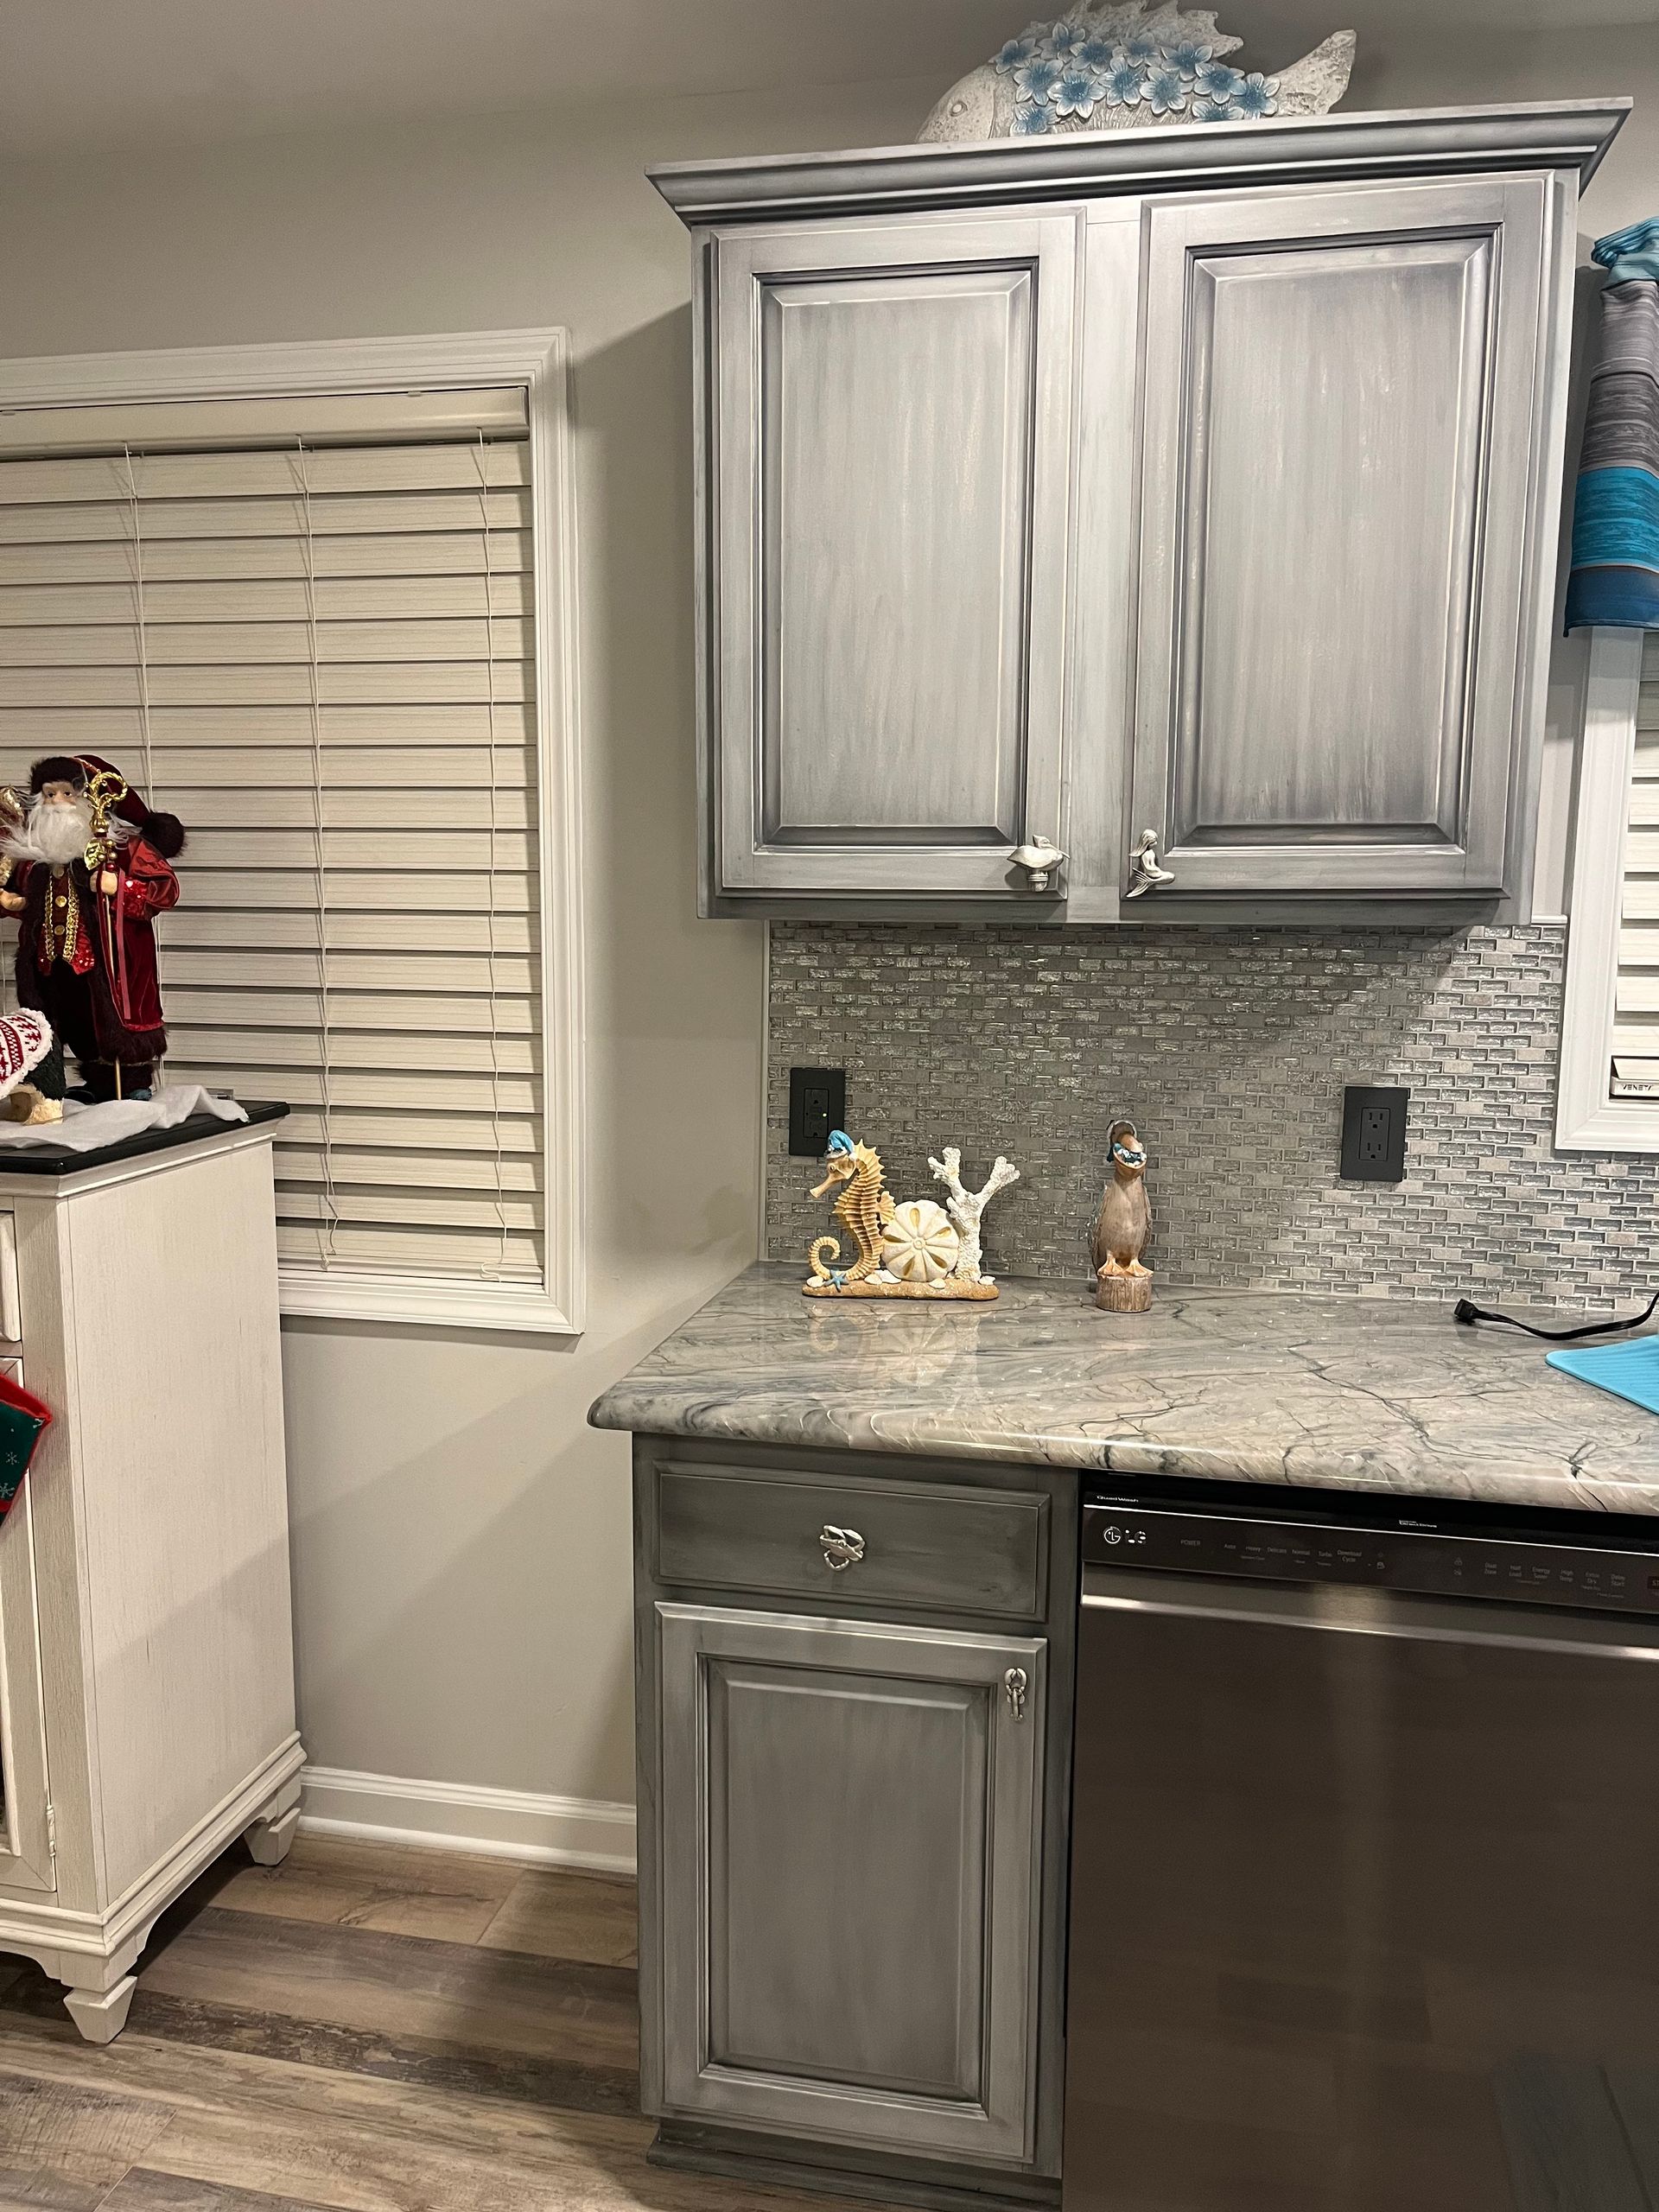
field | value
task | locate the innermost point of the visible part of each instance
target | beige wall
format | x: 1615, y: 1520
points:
x: 460, y: 1537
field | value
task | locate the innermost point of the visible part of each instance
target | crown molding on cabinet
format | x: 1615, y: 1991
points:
x: 1454, y: 141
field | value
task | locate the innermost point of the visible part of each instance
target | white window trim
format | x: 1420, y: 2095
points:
x: 1588, y: 1117
x: 539, y: 360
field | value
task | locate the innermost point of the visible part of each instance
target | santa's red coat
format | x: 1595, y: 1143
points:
x: 114, y: 948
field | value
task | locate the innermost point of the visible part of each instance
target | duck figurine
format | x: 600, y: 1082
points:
x: 1123, y: 1285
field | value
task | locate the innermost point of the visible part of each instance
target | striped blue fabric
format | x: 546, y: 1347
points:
x: 1615, y: 575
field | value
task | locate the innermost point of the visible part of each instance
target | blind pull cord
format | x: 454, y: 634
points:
x: 151, y: 796
x: 325, y: 1242
x: 495, y: 1041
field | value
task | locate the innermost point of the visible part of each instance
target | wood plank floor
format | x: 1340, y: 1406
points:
x: 364, y: 2030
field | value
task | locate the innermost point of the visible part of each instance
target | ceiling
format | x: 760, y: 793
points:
x: 101, y: 73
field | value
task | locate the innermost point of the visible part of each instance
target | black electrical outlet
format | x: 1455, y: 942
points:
x: 817, y: 1103
x: 1373, y: 1134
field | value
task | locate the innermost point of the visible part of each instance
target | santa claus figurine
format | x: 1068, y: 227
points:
x: 89, y: 873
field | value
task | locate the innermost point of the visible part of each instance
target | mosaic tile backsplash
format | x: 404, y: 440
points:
x: 1229, y: 1049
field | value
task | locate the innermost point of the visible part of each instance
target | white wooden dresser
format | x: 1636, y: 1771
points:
x: 146, y: 1637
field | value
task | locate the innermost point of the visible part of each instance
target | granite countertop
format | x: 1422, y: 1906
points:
x: 1347, y: 1394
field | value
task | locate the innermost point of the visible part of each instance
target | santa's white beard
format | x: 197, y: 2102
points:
x: 54, y: 830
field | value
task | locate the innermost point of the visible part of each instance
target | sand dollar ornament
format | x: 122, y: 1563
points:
x: 919, y: 1243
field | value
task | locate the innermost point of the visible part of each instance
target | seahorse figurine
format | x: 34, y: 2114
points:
x: 863, y: 1206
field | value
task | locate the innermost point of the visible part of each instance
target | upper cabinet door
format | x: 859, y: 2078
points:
x: 891, y: 409
x: 1338, y: 537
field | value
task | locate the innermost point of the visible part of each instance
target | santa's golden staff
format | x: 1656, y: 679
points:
x: 105, y: 790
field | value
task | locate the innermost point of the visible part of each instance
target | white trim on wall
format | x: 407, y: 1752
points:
x: 538, y: 360
x: 1588, y: 1117
x: 520, y: 1824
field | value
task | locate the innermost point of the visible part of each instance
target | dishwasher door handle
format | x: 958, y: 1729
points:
x: 1346, y: 1610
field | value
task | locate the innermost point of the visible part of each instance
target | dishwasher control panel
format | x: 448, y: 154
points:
x: 1430, y: 1562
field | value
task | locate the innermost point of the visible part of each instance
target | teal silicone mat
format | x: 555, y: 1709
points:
x: 1629, y: 1371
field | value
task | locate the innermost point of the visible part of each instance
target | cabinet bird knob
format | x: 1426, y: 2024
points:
x: 1040, y: 859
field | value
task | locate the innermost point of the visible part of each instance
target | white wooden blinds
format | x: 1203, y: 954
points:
x: 1635, y: 997
x: 310, y: 634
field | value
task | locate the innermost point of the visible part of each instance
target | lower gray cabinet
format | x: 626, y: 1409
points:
x: 851, y: 1837
x: 854, y: 1683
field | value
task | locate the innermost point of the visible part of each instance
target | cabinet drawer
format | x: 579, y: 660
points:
x: 942, y: 1546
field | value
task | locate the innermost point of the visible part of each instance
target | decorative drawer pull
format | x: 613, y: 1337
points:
x: 1016, y: 1682
x: 842, y: 1547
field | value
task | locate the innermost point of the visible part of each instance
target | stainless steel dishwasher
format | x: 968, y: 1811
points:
x: 1365, y: 1869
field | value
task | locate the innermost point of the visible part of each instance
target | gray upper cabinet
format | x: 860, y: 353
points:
x: 851, y: 1814
x: 890, y: 426
x: 1204, y: 481
x: 1340, y: 398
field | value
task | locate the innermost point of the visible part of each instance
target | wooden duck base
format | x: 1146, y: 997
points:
x: 936, y: 1293
x: 1124, y: 1294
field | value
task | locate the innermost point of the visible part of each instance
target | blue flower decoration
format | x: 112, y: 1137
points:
x: 1142, y: 47
x: 1095, y: 53
x: 1036, y: 78
x: 1017, y: 50
x: 1217, y: 111
x: 1257, y: 95
x: 1065, y: 38
x: 1033, y: 119
x: 1218, y: 80
x: 1125, y: 83
x: 1166, y: 90
x: 1076, y: 93
x: 1188, y: 55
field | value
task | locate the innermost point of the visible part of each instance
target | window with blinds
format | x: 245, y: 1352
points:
x: 309, y: 628
x: 1635, y: 991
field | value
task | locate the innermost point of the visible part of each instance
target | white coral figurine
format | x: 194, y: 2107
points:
x: 965, y: 1207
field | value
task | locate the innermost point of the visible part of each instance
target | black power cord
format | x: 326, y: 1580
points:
x: 1469, y: 1313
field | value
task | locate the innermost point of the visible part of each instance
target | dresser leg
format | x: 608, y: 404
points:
x: 101, y: 2014
x: 269, y: 1840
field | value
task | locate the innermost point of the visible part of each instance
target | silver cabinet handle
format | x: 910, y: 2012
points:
x: 1040, y: 859
x: 1145, y: 873
x: 1016, y: 1682
x: 842, y: 1548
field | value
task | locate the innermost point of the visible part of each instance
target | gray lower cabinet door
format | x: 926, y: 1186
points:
x: 851, y: 1850
x: 889, y: 430
x: 1339, y: 536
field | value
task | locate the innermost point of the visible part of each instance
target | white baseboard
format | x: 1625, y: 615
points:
x: 459, y: 1816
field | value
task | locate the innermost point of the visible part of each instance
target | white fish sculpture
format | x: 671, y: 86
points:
x: 1118, y: 67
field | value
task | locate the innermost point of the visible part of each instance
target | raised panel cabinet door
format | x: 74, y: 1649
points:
x: 1338, y: 531
x: 891, y: 445
x: 850, y: 1831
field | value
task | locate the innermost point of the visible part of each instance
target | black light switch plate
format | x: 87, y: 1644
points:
x: 1373, y: 1134
x: 817, y: 1103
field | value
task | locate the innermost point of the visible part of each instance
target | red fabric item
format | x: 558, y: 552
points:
x: 115, y: 948
x: 24, y: 1418
x: 25, y: 1040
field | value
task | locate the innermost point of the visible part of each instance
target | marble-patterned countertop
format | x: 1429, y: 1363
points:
x: 1348, y: 1394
